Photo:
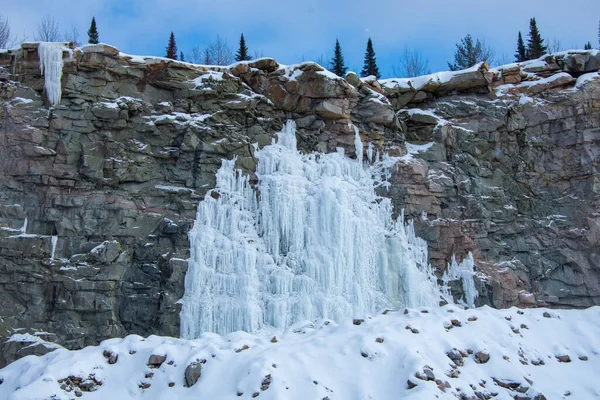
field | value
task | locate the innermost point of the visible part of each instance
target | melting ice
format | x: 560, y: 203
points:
x: 312, y: 241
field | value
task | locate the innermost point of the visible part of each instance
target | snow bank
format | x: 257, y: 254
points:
x: 455, y: 353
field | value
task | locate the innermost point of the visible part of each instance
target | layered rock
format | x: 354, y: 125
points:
x: 98, y: 193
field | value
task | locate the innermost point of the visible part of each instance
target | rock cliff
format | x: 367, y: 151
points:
x: 97, y: 193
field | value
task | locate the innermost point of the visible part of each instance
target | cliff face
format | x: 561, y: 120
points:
x: 97, y: 194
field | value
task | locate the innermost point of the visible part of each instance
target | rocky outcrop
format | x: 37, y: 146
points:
x: 97, y: 194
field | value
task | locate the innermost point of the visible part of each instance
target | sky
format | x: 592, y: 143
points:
x: 306, y: 30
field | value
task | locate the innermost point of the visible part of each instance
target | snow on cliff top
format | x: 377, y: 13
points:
x: 502, y: 353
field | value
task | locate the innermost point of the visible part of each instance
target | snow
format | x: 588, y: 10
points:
x: 419, y: 82
x: 412, y: 149
x: 323, y: 359
x: 585, y: 78
x: 209, y: 76
x: 21, y: 100
x: 168, y: 188
x: 316, y: 243
x: 548, y: 80
x: 33, y: 339
x: 51, y: 65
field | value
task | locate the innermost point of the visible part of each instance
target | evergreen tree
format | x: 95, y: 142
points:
x: 588, y: 46
x: 93, y: 32
x: 521, y: 53
x: 370, y: 65
x: 181, y: 58
x: 172, y: 48
x: 337, y: 64
x: 242, y: 53
x: 535, y: 43
x: 469, y: 53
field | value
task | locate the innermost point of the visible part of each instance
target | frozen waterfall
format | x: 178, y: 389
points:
x: 463, y: 271
x: 51, y: 66
x: 313, y: 241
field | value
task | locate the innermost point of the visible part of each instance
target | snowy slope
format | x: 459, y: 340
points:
x: 372, y: 359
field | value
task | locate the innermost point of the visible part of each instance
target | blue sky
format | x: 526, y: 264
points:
x: 292, y: 31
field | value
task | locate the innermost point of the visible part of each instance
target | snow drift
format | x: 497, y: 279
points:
x: 425, y: 353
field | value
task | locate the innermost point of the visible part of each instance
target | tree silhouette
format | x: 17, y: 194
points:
x: 370, y: 64
x: 521, y: 53
x: 242, y: 53
x: 172, y: 48
x: 469, y: 53
x: 535, y: 43
x: 93, y: 32
x: 337, y: 63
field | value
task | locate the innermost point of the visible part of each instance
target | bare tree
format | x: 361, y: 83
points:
x: 555, y: 45
x: 258, y: 54
x: 196, y: 56
x: 323, y: 60
x: 4, y: 32
x: 72, y: 36
x: 207, y: 58
x: 505, y: 59
x: 412, y: 63
x: 220, y: 52
x: 47, y: 30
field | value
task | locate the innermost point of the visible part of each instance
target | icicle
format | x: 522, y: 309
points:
x: 318, y: 243
x: 465, y: 272
x: 54, y: 241
x: 370, y: 153
x: 24, y: 227
x: 51, y: 66
x: 358, y: 146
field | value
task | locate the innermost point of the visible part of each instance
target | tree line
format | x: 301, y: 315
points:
x: 469, y: 51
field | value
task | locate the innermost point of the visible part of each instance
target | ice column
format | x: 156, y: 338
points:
x: 51, y: 66
x: 313, y: 241
x: 463, y: 271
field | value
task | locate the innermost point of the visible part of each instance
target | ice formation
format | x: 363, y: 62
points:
x: 463, y: 271
x: 314, y: 241
x: 51, y: 66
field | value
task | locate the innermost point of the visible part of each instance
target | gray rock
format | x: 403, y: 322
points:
x: 193, y: 373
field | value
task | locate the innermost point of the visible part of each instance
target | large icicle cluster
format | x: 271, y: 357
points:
x: 314, y: 242
x: 51, y: 66
x: 463, y: 271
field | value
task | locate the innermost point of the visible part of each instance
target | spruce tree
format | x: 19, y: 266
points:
x: 172, y: 48
x: 370, y: 65
x: 337, y: 64
x: 242, y: 53
x: 521, y: 53
x: 181, y: 58
x: 535, y: 43
x: 93, y: 32
x: 588, y: 46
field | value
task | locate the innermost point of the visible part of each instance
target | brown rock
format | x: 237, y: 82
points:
x: 156, y: 360
x: 481, y: 357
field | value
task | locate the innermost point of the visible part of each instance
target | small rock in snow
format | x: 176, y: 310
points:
x: 481, y: 357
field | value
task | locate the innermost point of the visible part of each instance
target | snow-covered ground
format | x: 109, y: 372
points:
x: 446, y: 352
